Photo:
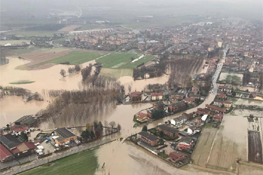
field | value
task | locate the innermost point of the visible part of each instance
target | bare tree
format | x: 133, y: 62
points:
x: 63, y: 73
x: 112, y: 124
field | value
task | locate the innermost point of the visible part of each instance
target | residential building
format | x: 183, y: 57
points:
x: 218, y: 117
x: 168, y: 131
x: 179, y: 120
x: 215, y: 108
x: 24, y: 149
x: 148, y: 138
x: 185, y: 143
x: 141, y: 117
x: 177, y: 156
x: 136, y: 96
x: 189, y: 100
x: 156, y: 96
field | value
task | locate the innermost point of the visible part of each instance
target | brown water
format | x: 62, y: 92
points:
x: 13, y: 107
x: 139, y: 85
x: 124, y: 158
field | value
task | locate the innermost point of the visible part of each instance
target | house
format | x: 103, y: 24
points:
x: 148, y: 138
x: 5, y: 155
x: 193, y: 130
x: 204, y: 117
x: 185, y: 143
x: 136, y: 96
x: 156, y: 96
x: 177, y: 156
x: 215, y: 108
x: 218, y: 103
x: 27, y: 120
x: 189, y: 116
x: 189, y: 100
x: 18, y: 129
x: 218, y: 117
x: 65, y: 136
x: 179, y: 120
x: 221, y: 96
x: 201, y: 111
x: 227, y: 104
x: 168, y: 131
x: 141, y: 117
x: 174, y: 97
x: 24, y: 149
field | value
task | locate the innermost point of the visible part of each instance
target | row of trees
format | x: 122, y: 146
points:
x: 70, y: 70
x: 97, y: 130
x: 182, y: 71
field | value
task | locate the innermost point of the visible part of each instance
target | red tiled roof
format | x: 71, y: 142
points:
x: 4, y: 152
x: 215, y: 108
x: 189, y: 99
x: 156, y: 94
x: 25, y: 146
x: 141, y: 115
x: 136, y: 94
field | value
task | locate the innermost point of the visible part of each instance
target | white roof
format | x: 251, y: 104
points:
x: 204, y: 117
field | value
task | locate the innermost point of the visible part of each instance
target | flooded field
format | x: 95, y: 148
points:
x: 12, y: 108
x: 249, y: 102
x: 126, y: 158
x: 224, y: 75
x: 139, y: 85
x: 219, y: 149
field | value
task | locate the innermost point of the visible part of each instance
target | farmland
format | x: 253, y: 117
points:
x: 254, y: 147
x: 76, y: 57
x: 81, y: 163
x: 123, y: 60
x: 220, y: 148
x: 116, y: 73
x: 49, y: 57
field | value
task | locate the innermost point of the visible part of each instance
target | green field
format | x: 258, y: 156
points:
x: 116, y: 73
x: 123, y: 60
x: 76, y: 57
x: 82, y: 163
x: 22, y: 82
x: 33, y: 33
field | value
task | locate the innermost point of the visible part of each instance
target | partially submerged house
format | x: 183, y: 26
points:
x: 177, y: 156
x: 156, y: 96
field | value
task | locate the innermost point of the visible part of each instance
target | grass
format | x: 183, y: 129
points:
x: 116, y: 73
x: 123, y: 60
x: 231, y: 79
x: 84, y: 162
x: 163, y: 155
x: 76, y: 57
x: 22, y: 82
x: 73, y: 58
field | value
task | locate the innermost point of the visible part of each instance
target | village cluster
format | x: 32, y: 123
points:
x: 22, y: 141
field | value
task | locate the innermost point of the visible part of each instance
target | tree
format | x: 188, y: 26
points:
x: 92, y: 134
x: 144, y: 128
x: 8, y: 127
x: 100, y: 126
x: 77, y: 68
x: 63, y: 73
x: 161, y: 142
x: 112, y: 124
x: 119, y: 127
x: 161, y: 134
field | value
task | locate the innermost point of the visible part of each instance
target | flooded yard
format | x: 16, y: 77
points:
x: 128, y: 159
x: 249, y: 102
x: 12, y: 108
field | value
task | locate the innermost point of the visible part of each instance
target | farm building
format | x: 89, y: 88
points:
x: 64, y: 136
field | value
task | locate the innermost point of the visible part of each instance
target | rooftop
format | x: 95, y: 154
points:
x: 64, y: 133
x: 9, y: 141
x: 167, y: 128
x: 148, y: 136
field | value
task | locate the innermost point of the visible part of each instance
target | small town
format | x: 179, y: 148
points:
x: 186, y: 96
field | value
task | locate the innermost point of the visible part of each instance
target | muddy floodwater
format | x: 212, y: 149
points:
x: 12, y: 108
x: 126, y: 158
